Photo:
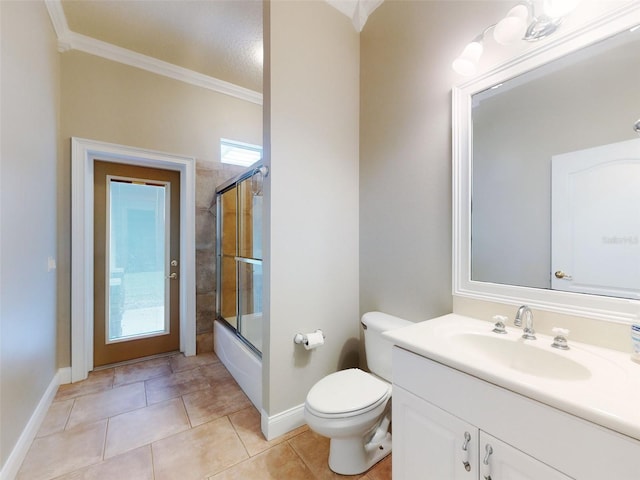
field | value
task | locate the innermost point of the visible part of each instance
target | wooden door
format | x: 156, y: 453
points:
x: 136, y: 262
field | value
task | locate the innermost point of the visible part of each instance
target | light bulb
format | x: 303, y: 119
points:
x: 512, y: 27
x: 467, y: 63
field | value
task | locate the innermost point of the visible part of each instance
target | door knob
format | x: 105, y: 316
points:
x: 563, y: 276
x: 173, y: 276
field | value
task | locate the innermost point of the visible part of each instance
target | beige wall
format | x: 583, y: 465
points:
x: 311, y: 261
x: 405, y: 152
x: 107, y: 101
x: 30, y: 109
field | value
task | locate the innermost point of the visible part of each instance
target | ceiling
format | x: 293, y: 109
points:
x: 217, y: 38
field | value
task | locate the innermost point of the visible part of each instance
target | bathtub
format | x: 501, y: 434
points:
x: 244, y: 365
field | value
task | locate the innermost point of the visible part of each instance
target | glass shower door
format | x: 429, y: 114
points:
x: 249, y: 260
x: 239, y: 299
x: 228, y: 282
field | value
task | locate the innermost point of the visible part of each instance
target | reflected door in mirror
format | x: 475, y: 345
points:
x: 596, y: 220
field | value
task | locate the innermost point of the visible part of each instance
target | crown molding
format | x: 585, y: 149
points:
x: 357, y: 10
x: 56, y: 13
x: 76, y: 41
x: 69, y: 40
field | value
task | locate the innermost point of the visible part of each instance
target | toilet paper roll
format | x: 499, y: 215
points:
x: 314, y: 340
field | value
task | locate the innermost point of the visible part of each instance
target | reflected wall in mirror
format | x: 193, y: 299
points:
x: 510, y: 127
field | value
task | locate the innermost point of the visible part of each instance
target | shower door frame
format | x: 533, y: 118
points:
x: 220, y: 190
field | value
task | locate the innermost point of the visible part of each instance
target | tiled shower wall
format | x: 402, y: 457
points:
x: 208, y: 176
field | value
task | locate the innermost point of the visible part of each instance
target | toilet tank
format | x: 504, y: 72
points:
x: 378, y: 348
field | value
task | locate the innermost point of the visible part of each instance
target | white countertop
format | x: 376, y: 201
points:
x: 597, y: 384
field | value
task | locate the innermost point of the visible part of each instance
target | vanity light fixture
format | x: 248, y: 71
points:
x: 520, y: 23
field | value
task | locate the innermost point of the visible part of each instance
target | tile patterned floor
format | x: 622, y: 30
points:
x: 170, y: 418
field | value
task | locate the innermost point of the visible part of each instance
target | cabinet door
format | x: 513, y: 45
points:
x: 500, y: 461
x: 428, y: 442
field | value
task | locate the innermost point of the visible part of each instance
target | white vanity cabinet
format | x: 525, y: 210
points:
x: 501, y: 461
x: 430, y: 443
x: 435, y: 407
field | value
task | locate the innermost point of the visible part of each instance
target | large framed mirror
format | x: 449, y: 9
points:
x: 546, y: 175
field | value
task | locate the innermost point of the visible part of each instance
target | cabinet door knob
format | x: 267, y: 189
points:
x: 486, y: 468
x: 465, y: 449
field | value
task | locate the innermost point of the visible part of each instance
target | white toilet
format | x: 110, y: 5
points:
x: 352, y: 407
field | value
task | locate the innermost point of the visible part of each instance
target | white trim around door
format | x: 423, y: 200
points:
x: 83, y: 154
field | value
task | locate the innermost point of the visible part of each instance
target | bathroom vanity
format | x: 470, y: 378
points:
x: 471, y: 404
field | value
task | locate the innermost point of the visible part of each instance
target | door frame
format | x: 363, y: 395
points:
x: 83, y: 154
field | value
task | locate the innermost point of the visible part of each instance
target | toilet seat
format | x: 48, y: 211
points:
x: 347, y: 393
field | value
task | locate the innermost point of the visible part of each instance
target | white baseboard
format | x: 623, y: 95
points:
x: 19, y: 452
x: 64, y: 375
x: 282, y: 422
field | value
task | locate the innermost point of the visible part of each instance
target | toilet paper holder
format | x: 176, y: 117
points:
x: 303, y: 339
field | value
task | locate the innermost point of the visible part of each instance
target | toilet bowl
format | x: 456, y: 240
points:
x: 353, y: 408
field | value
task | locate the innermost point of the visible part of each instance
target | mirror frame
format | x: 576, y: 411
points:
x: 592, y: 306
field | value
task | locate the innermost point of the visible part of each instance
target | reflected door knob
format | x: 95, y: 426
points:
x: 563, y: 276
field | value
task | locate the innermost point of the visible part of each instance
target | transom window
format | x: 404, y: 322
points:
x: 239, y: 153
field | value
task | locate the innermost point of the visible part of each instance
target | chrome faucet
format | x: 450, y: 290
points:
x: 524, y: 312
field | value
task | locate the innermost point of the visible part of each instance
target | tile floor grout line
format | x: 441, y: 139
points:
x: 171, y: 366
x: 295, y: 450
x: 146, y: 395
x: 106, y: 432
x: 66, y: 423
x: 239, y: 436
x: 239, y: 462
x: 153, y: 463
x: 85, y: 467
x: 186, y: 412
x: 78, y: 395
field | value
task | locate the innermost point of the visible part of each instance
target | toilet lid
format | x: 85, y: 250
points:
x: 346, y: 391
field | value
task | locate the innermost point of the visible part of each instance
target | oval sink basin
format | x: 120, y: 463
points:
x: 518, y: 354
